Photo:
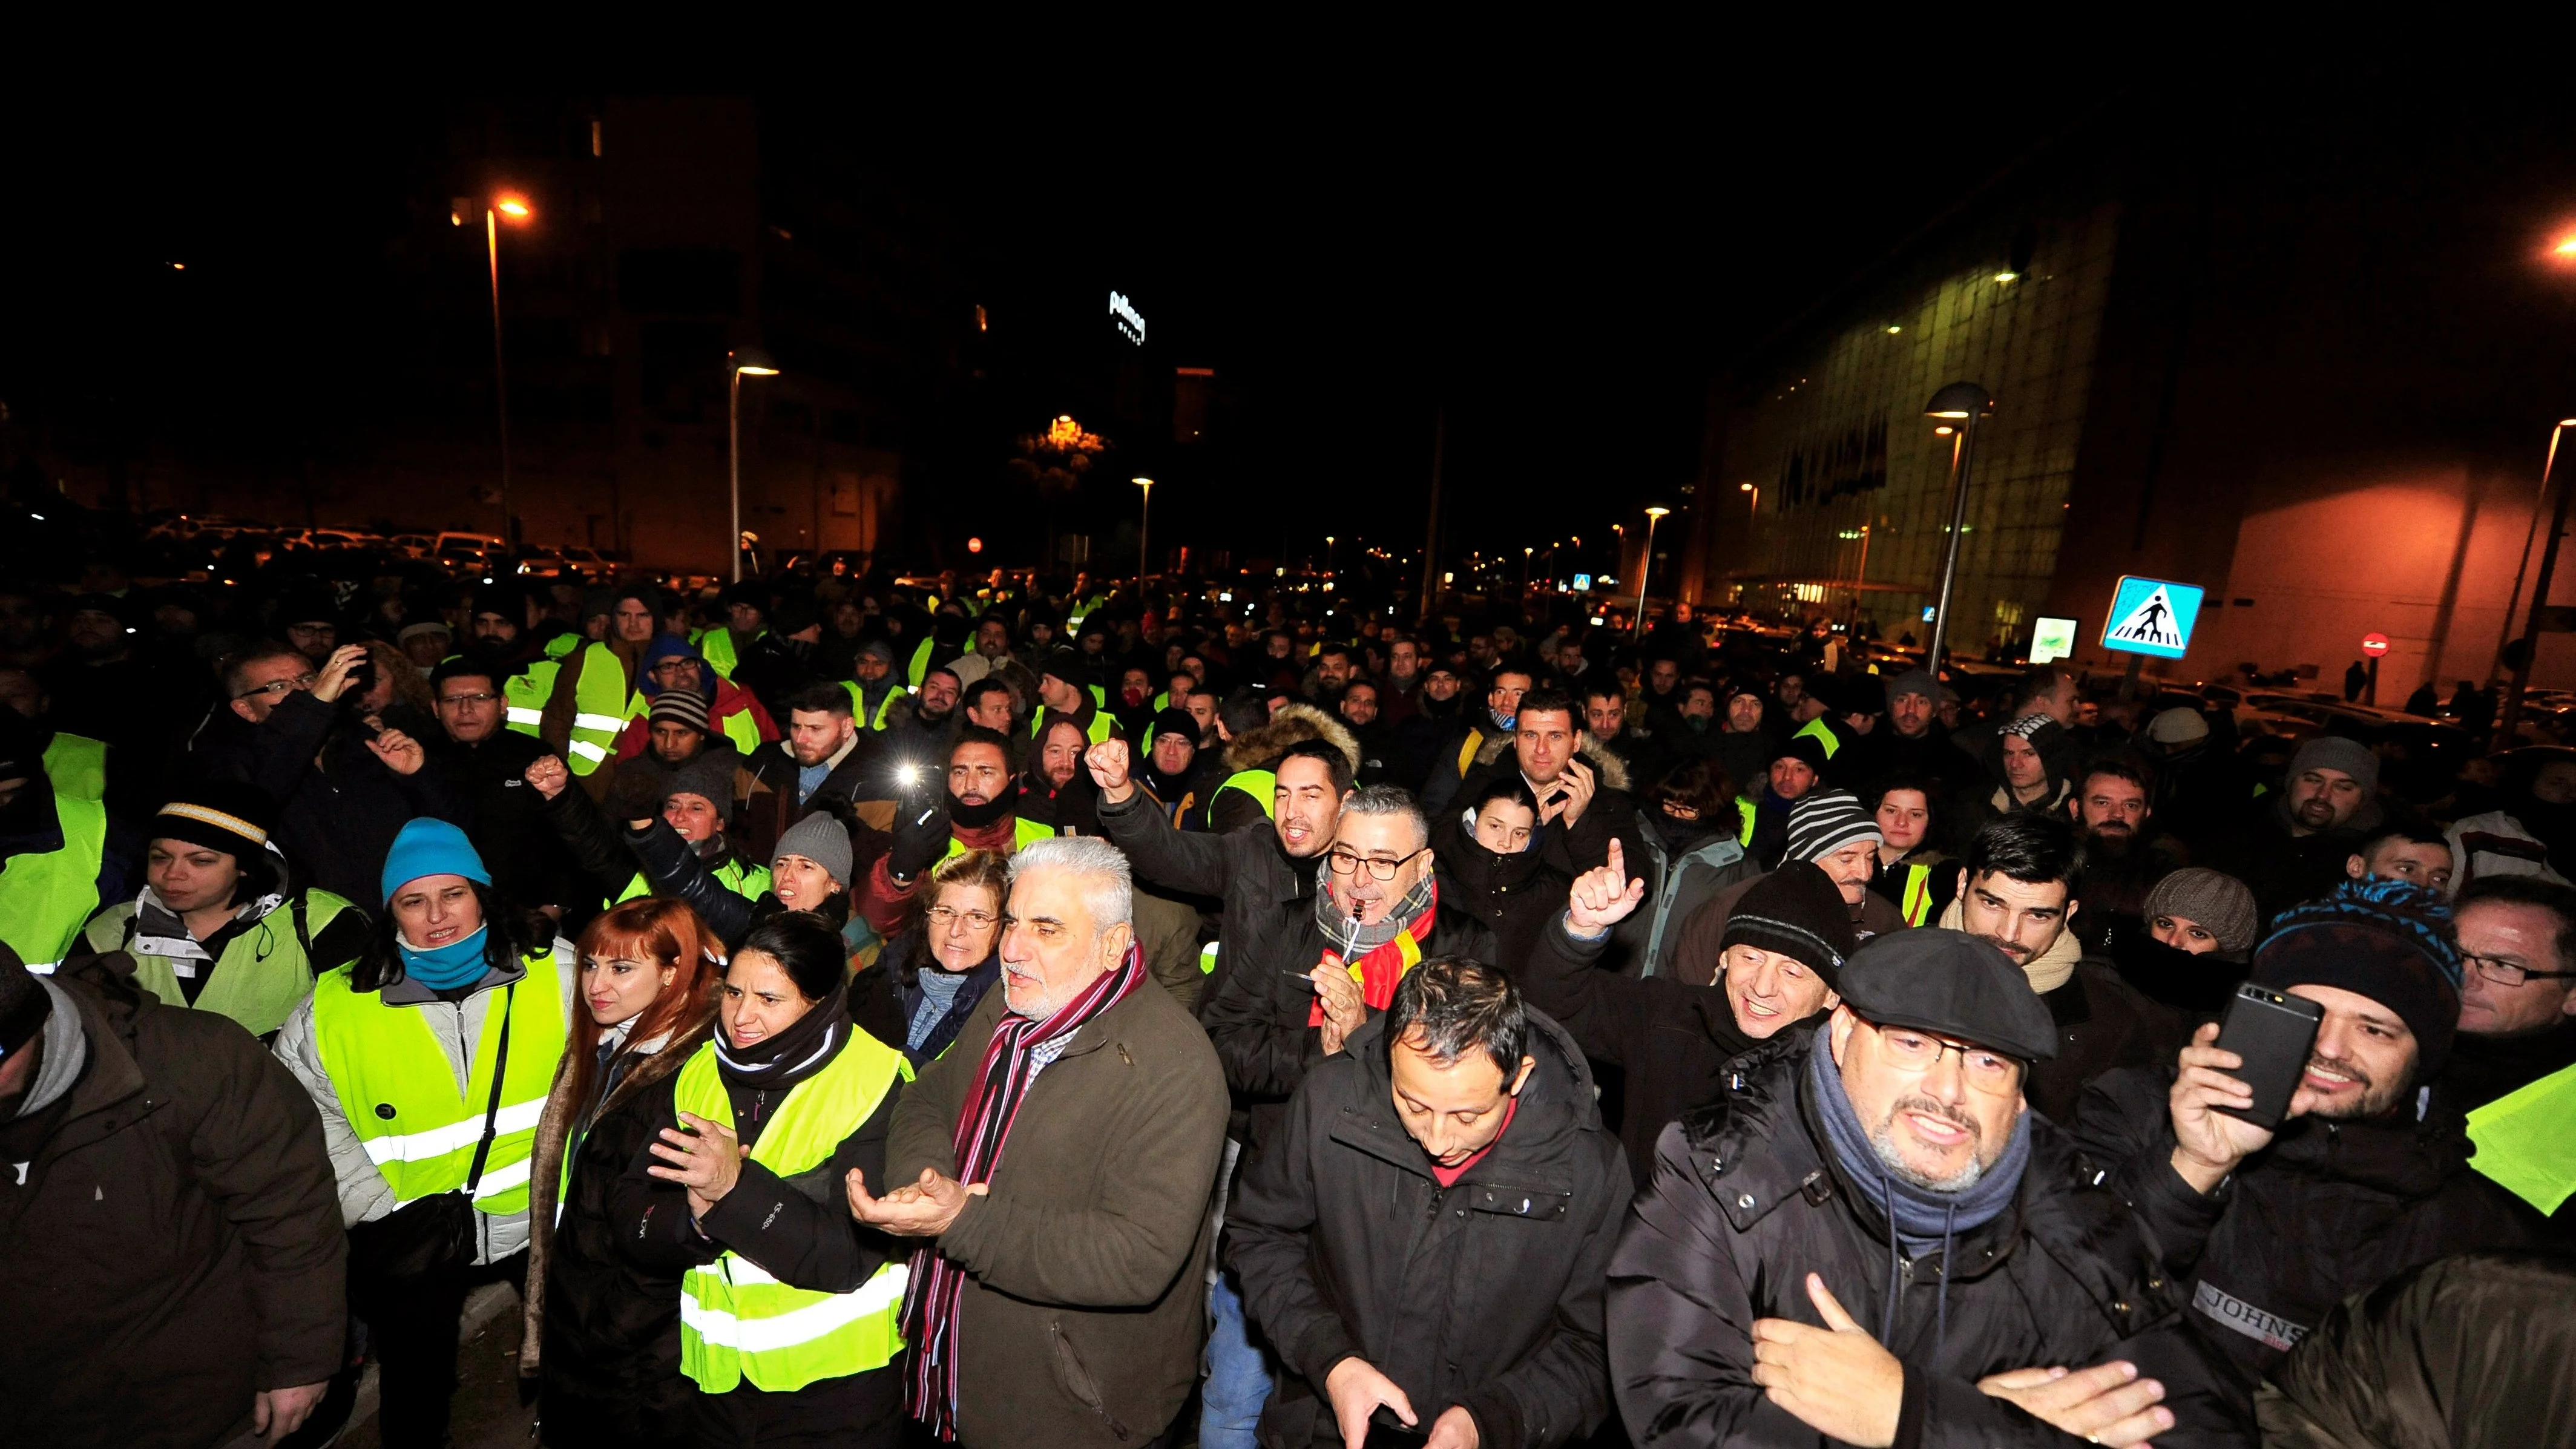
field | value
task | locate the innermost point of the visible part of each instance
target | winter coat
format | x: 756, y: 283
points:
x: 1265, y: 893
x: 1485, y: 1294
x: 1257, y: 1018
x: 1746, y: 1200
x: 2280, y: 868
x: 2485, y: 1068
x: 2328, y: 1210
x: 338, y: 806
x: 457, y: 1026
x: 1584, y: 845
x: 771, y: 807
x: 2419, y: 1363
x: 2103, y: 1024
x: 1515, y: 895
x: 604, y: 1329
x: 1668, y: 1042
x: 174, y: 1247
x: 883, y: 998
x: 1678, y: 882
x: 505, y: 817
x: 1085, y: 1298
x: 1460, y: 751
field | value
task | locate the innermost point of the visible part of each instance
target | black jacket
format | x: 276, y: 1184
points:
x: 1746, y: 1201
x: 1670, y: 1041
x: 2103, y: 1024
x: 1516, y: 896
x: 1265, y: 893
x: 1486, y: 1293
x: 2280, y: 868
x: 505, y: 817
x: 2484, y: 1068
x: 338, y: 806
x: 2328, y: 1210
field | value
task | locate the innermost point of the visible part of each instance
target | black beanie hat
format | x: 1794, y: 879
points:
x: 2389, y: 940
x: 1798, y: 912
x: 1802, y: 747
x: 220, y: 815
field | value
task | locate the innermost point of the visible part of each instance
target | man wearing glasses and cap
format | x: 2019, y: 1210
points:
x: 1872, y: 1238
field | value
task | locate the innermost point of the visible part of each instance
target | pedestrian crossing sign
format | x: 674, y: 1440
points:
x: 2152, y: 616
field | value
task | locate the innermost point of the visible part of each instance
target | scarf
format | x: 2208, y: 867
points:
x: 1001, y: 1081
x: 1379, y: 955
x: 1917, y: 1217
x: 774, y: 1064
x: 458, y: 963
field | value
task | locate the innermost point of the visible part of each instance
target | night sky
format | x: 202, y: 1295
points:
x: 1563, y: 267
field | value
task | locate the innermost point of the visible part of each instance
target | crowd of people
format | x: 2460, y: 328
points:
x: 850, y: 1011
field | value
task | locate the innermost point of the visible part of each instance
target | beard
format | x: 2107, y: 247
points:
x: 1882, y: 1139
x: 2374, y: 1100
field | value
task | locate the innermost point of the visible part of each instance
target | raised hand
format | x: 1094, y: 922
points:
x: 1603, y: 896
x: 547, y: 775
x: 1109, y: 763
x: 2208, y: 1143
x: 401, y: 753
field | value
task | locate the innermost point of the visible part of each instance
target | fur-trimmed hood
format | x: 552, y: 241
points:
x: 1294, y: 725
x: 1607, y: 768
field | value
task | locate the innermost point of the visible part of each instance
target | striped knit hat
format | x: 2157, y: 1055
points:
x: 1827, y: 821
x: 682, y: 706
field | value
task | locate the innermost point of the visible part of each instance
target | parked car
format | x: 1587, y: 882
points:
x: 469, y: 552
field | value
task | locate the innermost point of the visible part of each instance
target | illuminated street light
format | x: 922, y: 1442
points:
x: 1966, y: 403
x: 517, y: 209
x: 1645, y: 571
x: 1145, y: 531
x: 740, y: 363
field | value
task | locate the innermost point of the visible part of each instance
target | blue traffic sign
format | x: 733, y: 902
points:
x: 2152, y: 616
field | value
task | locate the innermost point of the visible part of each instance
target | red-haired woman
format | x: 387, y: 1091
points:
x: 603, y: 1337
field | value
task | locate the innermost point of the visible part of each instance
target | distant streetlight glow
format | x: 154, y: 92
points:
x: 2566, y: 245
x: 513, y: 207
x: 1145, y: 531
x: 1646, y: 570
x: 2007, y: 276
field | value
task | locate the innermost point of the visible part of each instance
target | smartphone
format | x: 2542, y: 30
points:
x: 2273, y: 1033
x: 1388, y: 1432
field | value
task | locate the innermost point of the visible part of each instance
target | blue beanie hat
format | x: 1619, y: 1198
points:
x: 431, y: 847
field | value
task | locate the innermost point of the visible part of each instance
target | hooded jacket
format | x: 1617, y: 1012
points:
x: 1485, y: 1294
x: 1262, y: 749
x: 1746, y: 1200
x: 1585, y: 845
x: 1680, y: 876
x: 1515, y: 895
x: 175, y: 1247
x: 2329, y: 1209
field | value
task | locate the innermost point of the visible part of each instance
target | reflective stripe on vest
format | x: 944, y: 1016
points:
x: 260, y: 979
x: 1023, y: 831
x: 602, y: 703
x: 737, y: 1321
x: 524, y: 694
x: 750, y: 882
x: 397, y: 1086
x: 1261, y: 785
x: 1918, y: 895
x: 45, y: 897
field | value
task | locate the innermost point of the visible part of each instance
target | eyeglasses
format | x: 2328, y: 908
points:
x: 2508, y: 973
x: 948, y: 918
x: 278, y: 688
x: 1987, y: 1070
x: 1345, y: 863
x: 445, y: 700
x: 674, y: 666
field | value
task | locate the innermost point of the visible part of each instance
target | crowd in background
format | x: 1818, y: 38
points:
x: 860, y: 1010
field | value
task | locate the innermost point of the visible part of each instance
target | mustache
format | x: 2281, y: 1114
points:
x: 1929, y: 1108
x: 2014, y: 949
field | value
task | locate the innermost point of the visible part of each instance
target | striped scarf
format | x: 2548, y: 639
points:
x: 1380, y: 956
x: 1010, y: 1063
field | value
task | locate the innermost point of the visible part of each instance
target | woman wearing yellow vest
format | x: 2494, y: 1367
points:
x: 220, y: 926
x: 788, y: 1307
x: 602, y: 1336
x: 430, y: 1060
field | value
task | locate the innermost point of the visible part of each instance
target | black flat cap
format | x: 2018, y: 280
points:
x: 1952, y: 984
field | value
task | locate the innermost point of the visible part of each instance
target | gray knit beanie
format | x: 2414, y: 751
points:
x: 1915, y: 681
x: 821, y: 839
x: 709, y: 772
x: 2334, y: 752
x: 2218, y: 902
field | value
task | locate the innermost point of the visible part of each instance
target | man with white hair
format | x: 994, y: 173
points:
x: 1059, y: 1161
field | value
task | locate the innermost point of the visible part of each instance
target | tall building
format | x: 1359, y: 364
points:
x: 2298, y: 345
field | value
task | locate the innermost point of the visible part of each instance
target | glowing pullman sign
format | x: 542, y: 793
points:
x: 1131, y: 323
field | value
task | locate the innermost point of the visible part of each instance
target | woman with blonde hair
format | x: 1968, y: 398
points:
x: 927, y: 980
x: 603, y: 1335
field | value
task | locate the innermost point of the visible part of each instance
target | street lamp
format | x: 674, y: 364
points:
x: 1646, y: 570
x: 740, y: 363
x: 2511, y: 714
x: 516, y: 208
x: 1964, y: 404
x: 1145, y: 532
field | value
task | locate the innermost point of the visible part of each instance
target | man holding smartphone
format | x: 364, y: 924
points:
x: 2369, y: 1172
